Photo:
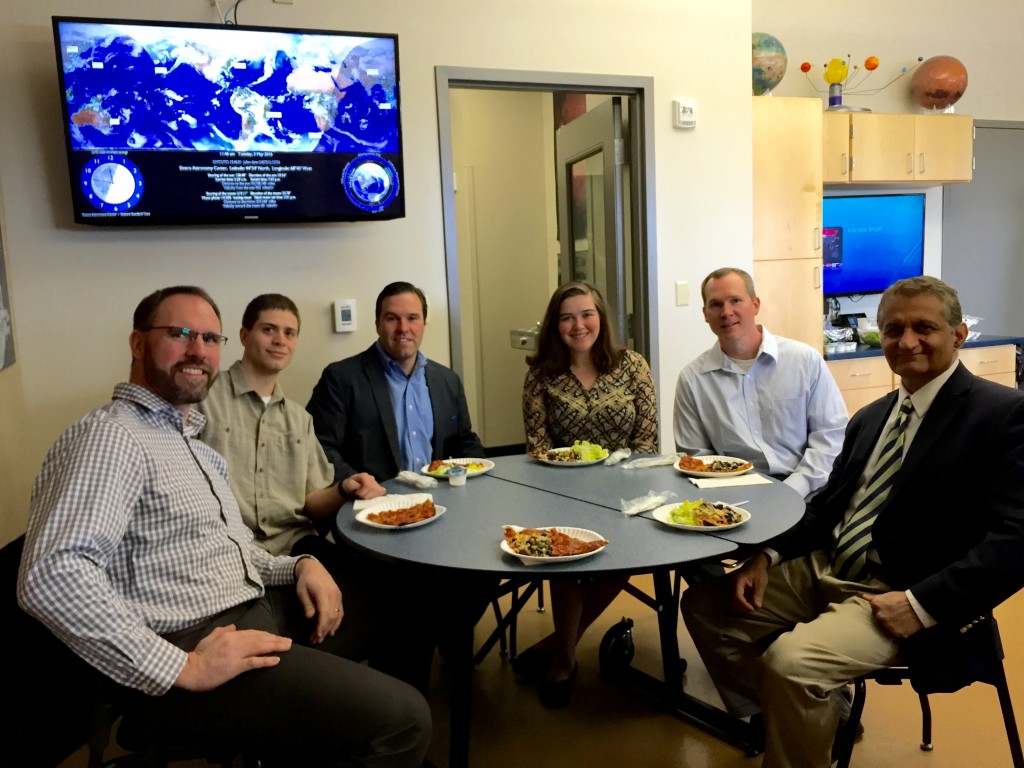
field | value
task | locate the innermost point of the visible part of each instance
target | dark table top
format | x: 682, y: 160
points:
x: 773, y: 508
x: 521, y: 491
x: 984, y: 340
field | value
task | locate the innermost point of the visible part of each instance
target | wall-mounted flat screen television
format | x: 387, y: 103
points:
x: 174, y: 123
x: 871, y: 241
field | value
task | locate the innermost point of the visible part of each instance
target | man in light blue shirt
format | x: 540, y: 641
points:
x: 763, y: 398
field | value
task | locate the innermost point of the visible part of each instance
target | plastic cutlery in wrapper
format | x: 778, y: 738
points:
x: 620, y: 454
x: 652, y: 500
x: 651, y: 461
x: 416, y: 480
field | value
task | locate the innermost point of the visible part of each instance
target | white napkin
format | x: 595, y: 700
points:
x: 416, y: 480
x: 726, y: 482
x: 390, y: 499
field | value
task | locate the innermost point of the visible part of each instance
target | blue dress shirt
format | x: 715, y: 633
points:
x: 414, y: 417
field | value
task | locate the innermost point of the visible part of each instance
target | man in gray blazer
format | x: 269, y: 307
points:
x: 389, y: 408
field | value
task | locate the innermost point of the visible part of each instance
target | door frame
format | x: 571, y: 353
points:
x: 639, y: 92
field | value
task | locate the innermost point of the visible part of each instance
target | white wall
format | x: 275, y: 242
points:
x: 73, y: 288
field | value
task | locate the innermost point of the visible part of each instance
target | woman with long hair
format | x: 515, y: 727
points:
x: 581, y: 385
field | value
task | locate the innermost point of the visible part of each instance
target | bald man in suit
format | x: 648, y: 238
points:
x: 807, y: 614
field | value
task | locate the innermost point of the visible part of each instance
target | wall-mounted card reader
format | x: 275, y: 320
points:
x: 344, y: 315
x: 524, y: 338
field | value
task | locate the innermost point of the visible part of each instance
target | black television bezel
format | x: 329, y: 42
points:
x: 844, y: 194
x: 242, y: 220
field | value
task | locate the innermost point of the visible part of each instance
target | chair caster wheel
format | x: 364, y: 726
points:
x: 617, y: 650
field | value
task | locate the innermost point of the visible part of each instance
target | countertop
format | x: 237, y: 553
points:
x: 863, y: 350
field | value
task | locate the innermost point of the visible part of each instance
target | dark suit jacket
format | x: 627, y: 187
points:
x: 952, y: 528
x: 355, y: 422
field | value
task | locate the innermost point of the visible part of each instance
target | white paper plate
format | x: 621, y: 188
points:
x: 662, y: 515
x: 583, y: 534
x: 386, y: 504
x: 708, y: 460
x: 488, y: 466
x: 570, y: 463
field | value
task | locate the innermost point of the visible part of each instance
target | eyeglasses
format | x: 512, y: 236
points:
x: 187, y: 335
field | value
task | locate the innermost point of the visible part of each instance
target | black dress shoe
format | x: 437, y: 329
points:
x: 531, y: 665
x: 554, y: 694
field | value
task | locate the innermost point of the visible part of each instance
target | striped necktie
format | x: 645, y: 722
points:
x: 851, y: 548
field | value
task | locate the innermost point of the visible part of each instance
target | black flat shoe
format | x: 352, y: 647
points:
x: 531, y: 665
x: 554, y: 694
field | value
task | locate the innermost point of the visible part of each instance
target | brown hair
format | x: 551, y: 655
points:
x: 394, y: 289
x: 718, y: 274
x: 147, y: 308
x: 552, y: 357
x: 268, y: 301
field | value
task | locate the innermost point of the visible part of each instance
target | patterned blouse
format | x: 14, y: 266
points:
x: 619, y: 411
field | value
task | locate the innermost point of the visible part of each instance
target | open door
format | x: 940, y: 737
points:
x: 594, y: 213
x: 505, y: 199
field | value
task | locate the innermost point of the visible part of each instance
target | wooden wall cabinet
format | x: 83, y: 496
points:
x: 787, y: 188
x: 998, y: 364
x: 893, y: 148
x: 863, y: 380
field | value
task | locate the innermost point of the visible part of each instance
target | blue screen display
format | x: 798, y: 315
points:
x: 871, y: 241
x: 186, y: 123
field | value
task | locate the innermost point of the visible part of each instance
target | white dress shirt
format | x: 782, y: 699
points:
x: 785, y: 413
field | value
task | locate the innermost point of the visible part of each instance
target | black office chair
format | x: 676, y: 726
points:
x: 989, y: 669
x: 60, y: 702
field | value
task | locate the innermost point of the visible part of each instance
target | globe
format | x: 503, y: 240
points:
x: 939, y: 82
x: 769, y: 62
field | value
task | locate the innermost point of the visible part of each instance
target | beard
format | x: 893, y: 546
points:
x: 163, y: 383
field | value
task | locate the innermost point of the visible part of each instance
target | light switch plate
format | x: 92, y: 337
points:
x: 682, y: 293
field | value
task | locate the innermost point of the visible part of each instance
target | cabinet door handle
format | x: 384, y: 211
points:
x: 921, y: 158
x: 910, y: 163
x: 857, y: 375
x: 817, y: 277
x: 816, y: 239
x: 846, y: 164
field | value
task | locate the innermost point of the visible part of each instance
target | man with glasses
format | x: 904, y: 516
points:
x: 137, y: 558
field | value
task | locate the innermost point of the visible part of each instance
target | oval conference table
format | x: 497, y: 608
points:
x: 523, y: 491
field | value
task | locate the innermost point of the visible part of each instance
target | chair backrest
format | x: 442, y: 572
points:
x: 943, y: 660
x: 51, y: 690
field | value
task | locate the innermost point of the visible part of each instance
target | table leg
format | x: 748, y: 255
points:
x: 461, y: 695
x: 669, y: 692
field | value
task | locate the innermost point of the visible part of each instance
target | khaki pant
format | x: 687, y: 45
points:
x: 813, y: 634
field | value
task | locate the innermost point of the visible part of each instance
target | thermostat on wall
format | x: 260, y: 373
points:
x: 684, y: 113
x: 344, y: 315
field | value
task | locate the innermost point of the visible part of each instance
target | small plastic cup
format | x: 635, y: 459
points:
x: 457, y: 476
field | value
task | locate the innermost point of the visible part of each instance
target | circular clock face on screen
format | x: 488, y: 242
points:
x: 112, y: 183
x: 370, y: 182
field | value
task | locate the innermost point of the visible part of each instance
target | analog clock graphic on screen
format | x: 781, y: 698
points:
x: 112, y: 183
x: 370, y: 182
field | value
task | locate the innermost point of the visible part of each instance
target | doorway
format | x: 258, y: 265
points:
x: 504, y: 216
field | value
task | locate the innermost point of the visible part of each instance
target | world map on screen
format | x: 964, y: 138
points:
x: 220, y: 89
